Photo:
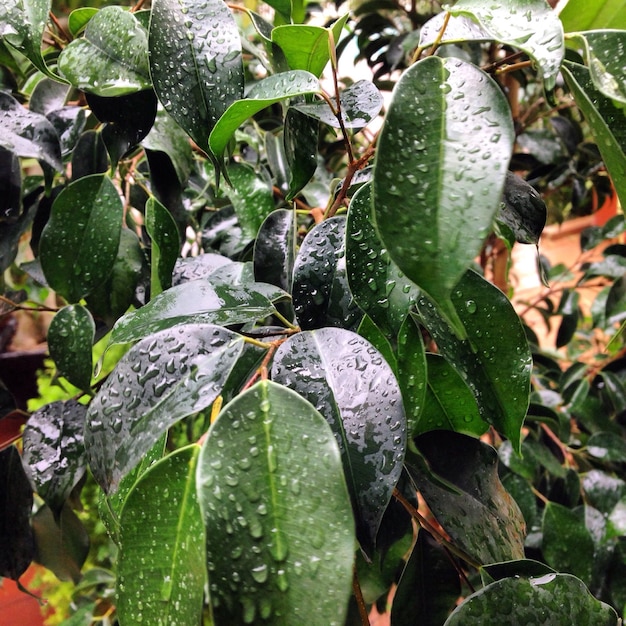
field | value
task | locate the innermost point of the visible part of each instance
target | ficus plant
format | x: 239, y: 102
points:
x: 308, y: 393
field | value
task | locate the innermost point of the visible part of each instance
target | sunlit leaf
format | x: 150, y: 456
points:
x: 578, y: 15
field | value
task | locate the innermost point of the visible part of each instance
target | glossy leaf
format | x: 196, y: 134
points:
x: 89, y: 155
x: 300, y: 142
x: 70, y: 340
x: 112, y: 58
x: 511, y: 601
x: 28, y: 134
x: 195, y: 267
x: 277, y: 513
x: 583, y: 15
x: 436, y: 188
x: 160, y: 560
x: 266, y: 92
x: 474, y: 509
x: 17, y: 548
x: 361, y: 102
x: 495, y: 360
x: 321, y: 295
x: 10, y: 236
x: 346, y: 379
x: 376, y: 283
x: 605, y: 121
x: 54, y: 451
x: 165, y: 238
x: 10, y: 188
x: 198, y: 301
x: 532, y: 26
x: 78, y: 19
x: 48, y: 96
x: 609, y: 447
x: 195, y: 62
x: 160, y: 380
x: 80, y: 241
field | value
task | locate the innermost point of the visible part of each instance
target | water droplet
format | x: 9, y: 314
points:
x: 470, y: 306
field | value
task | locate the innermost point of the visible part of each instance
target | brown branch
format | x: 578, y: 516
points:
x: 360, y: 601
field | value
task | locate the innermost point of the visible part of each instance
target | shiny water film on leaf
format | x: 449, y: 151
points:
x: 277, y: 513
x: 160, y: 380
x: 353, y: 387
x: 161, y: 566
x: 437, y: 184
x: 195, y: 62
x: 54, y: 452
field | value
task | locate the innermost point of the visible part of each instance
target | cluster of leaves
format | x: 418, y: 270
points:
x: 308, y: 342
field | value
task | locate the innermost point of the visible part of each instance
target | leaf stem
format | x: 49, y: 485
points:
x: 360, y: 601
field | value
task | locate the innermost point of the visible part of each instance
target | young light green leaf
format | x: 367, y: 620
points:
x: 112, y: 58
x: 436, y: 186
x: 578, y: 15
x: 165, y: 238
x: 277, y: 513
x: 195, y: 62
x: 268, y: 91
x: 162, y: 512
x: 80, y: 241
x: 79, y: 18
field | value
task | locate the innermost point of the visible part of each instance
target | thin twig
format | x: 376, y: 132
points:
x: 360, y: 601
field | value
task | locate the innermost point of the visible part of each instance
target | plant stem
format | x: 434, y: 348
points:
x: 360, y: 601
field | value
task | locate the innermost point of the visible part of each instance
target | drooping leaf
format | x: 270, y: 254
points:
x: 376, y: 283
x: 10, y: 235
x: 10, y: 188
x: 277, y: 513
x: 495, y: 360
x: 160, y: 380
x: 165, y: 237
x: 354, y: 388
x: 54, y: 452
x: 198, y: 301
x: 70, y: 340
x: 605, y: 120
x: 28, y: 134
x: 48, y: 96
x: 270, y: 90
x: 579, y: 15
x: 89, y: 155
x: 112, y: 57
x: 195, y: 62
x: 160, y: 560
x: 80, y: 241
x: 436, y: 188
x: 300, y: 141
x: 17, y: 548
x: 475, y: 509
x: 510, y: 601
x: 321, y: 295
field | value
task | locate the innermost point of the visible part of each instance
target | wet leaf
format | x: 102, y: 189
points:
x: 80, y: 241
x: 70, y: 340
x: 268, y: 91
x: 300, y: 143
x: 511, y: 601
x: 11, y: 234
x: 579, y: 15
x: 54, y: 452
x: 475, y: 509
x: 321, y: 295
x: 165, y: 238
x: 195, y: 267
x: 603, y: 491
x: 347, y: 380
x: 48, y: 96
x: 10, y: 188
x: 28, y: 134
x: 161, y: 532
x: 16, y: 502
x: 112, y: 58
x: 89, y: 155
x: 495, y: 361
x: 160, y: 380
x: 436, y: 188
x: 376, y: 283
x: 198, y: 301
x: 277, y: 513
x: 195, y: 62
x: 608, y: 447
x: 79, y: 18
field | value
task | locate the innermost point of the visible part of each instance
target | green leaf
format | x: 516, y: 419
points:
x: 605, y: 120
x: 112, y: 58
x: 361, y: 102
x: 165, y: 238
x: 79, y: 18
x: 198, y: 301
x: 28, y: 134
x: 53, y: 451
x: 70, y: 340
x: 376, y: 283
x: 266, y: 92
x: 300, y: 144
x: 321, y: 295
x: 608, y: 447
x: 603, y: 491
x: 475, y: 509
x: 532, y: 26
x: 583, y: 15
x: 511, y: 601
x: 347, y: 380
x: 80, y: 241
x: 161, y: 570
x: 195, y: 267
x: 436, y: 187
x: 277, y: 513
x: 195, y: 62
x: 495, y: 361
x: 159, y: 381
